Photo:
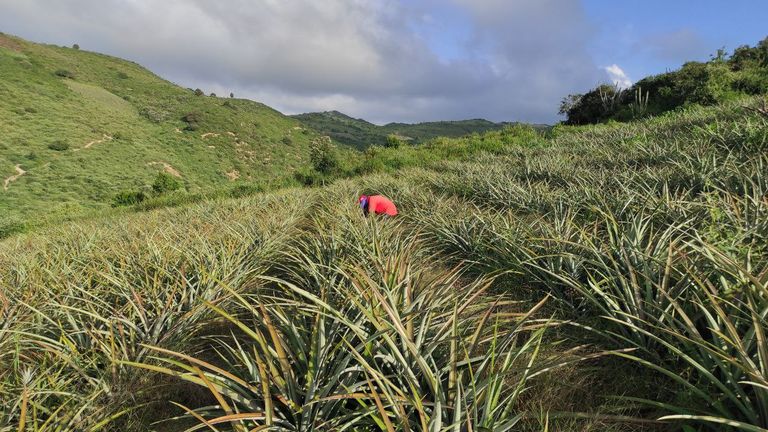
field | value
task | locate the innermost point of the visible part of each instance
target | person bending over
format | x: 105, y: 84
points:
x: 377, y: 204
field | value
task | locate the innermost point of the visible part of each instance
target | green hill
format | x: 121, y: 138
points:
x: 79, y: 127
x: 360, y: 134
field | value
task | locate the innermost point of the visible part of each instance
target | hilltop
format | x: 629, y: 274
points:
x: 80, y: 127
x: 360, y: 134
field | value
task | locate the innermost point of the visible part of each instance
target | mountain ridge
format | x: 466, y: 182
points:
x: 360, y: 134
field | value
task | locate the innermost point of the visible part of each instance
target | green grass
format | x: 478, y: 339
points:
x: 608, y: 277
x: 142, y: 113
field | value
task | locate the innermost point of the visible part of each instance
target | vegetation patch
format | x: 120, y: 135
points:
x: 59, y: 145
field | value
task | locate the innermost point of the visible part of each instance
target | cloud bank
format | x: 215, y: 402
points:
x: 374, y: 59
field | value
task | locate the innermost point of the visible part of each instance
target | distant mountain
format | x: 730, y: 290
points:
x: 78, y: 127
x: 360, y: 134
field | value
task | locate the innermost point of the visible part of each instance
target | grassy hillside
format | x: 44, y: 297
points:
x: 78, y: 127
x: 600, y: 280
x: 360, y: 134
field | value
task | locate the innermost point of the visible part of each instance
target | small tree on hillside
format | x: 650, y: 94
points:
x: 76, y: 46
x: 322, y: 155
x: 393, y: 141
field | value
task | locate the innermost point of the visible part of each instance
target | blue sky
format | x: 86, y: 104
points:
x: 398, y: 60
x: 626, y: 28
x: 643, y: 37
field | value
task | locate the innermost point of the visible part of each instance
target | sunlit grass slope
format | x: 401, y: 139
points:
x: 83, y: 126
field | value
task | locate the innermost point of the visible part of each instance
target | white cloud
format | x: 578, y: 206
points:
x: 618, y: 76
x: 367, y: 56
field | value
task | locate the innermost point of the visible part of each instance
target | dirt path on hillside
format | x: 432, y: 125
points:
x: 104, y: 138
x: 233, y: 175
x: 167, y: 168
x: 19, y: 172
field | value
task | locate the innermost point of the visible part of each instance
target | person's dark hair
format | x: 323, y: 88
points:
x: 367, y: 203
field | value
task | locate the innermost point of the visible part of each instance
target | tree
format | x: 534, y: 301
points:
x: 568, y: 102
x: 594, y: 106
x: 393, y: 141
x: 231, y: 95
x: 322, y: 155
x: 76, y: 46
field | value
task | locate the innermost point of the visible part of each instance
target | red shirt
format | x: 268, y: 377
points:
x: 379, y: 204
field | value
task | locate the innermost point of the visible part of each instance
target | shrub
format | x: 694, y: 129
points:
x: 192, y: 120
x: 192, y: 117
x: 122, y: 75
x: 593, y: 107
x: 128, y: 198
x: 393, y: 141
x: 59, y: 145
x: 76, y: 46
x: 10, y: 226
x: 244, y: 190
x: 64, y: 73
x: 165, y: 182
x: 310, y: 177
x: 323, y: 156
x: 231, y: 95
x: 751, y: 83
x: 213, y: 95
x: 199, y: 92
x: 287, y: 140
x: 153, y: 114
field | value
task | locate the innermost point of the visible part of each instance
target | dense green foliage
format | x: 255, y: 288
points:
x: 721, y: 79
x: 360, y: 134
x: 599, y: 279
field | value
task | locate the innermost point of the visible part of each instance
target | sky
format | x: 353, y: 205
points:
x: 398, y: 60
